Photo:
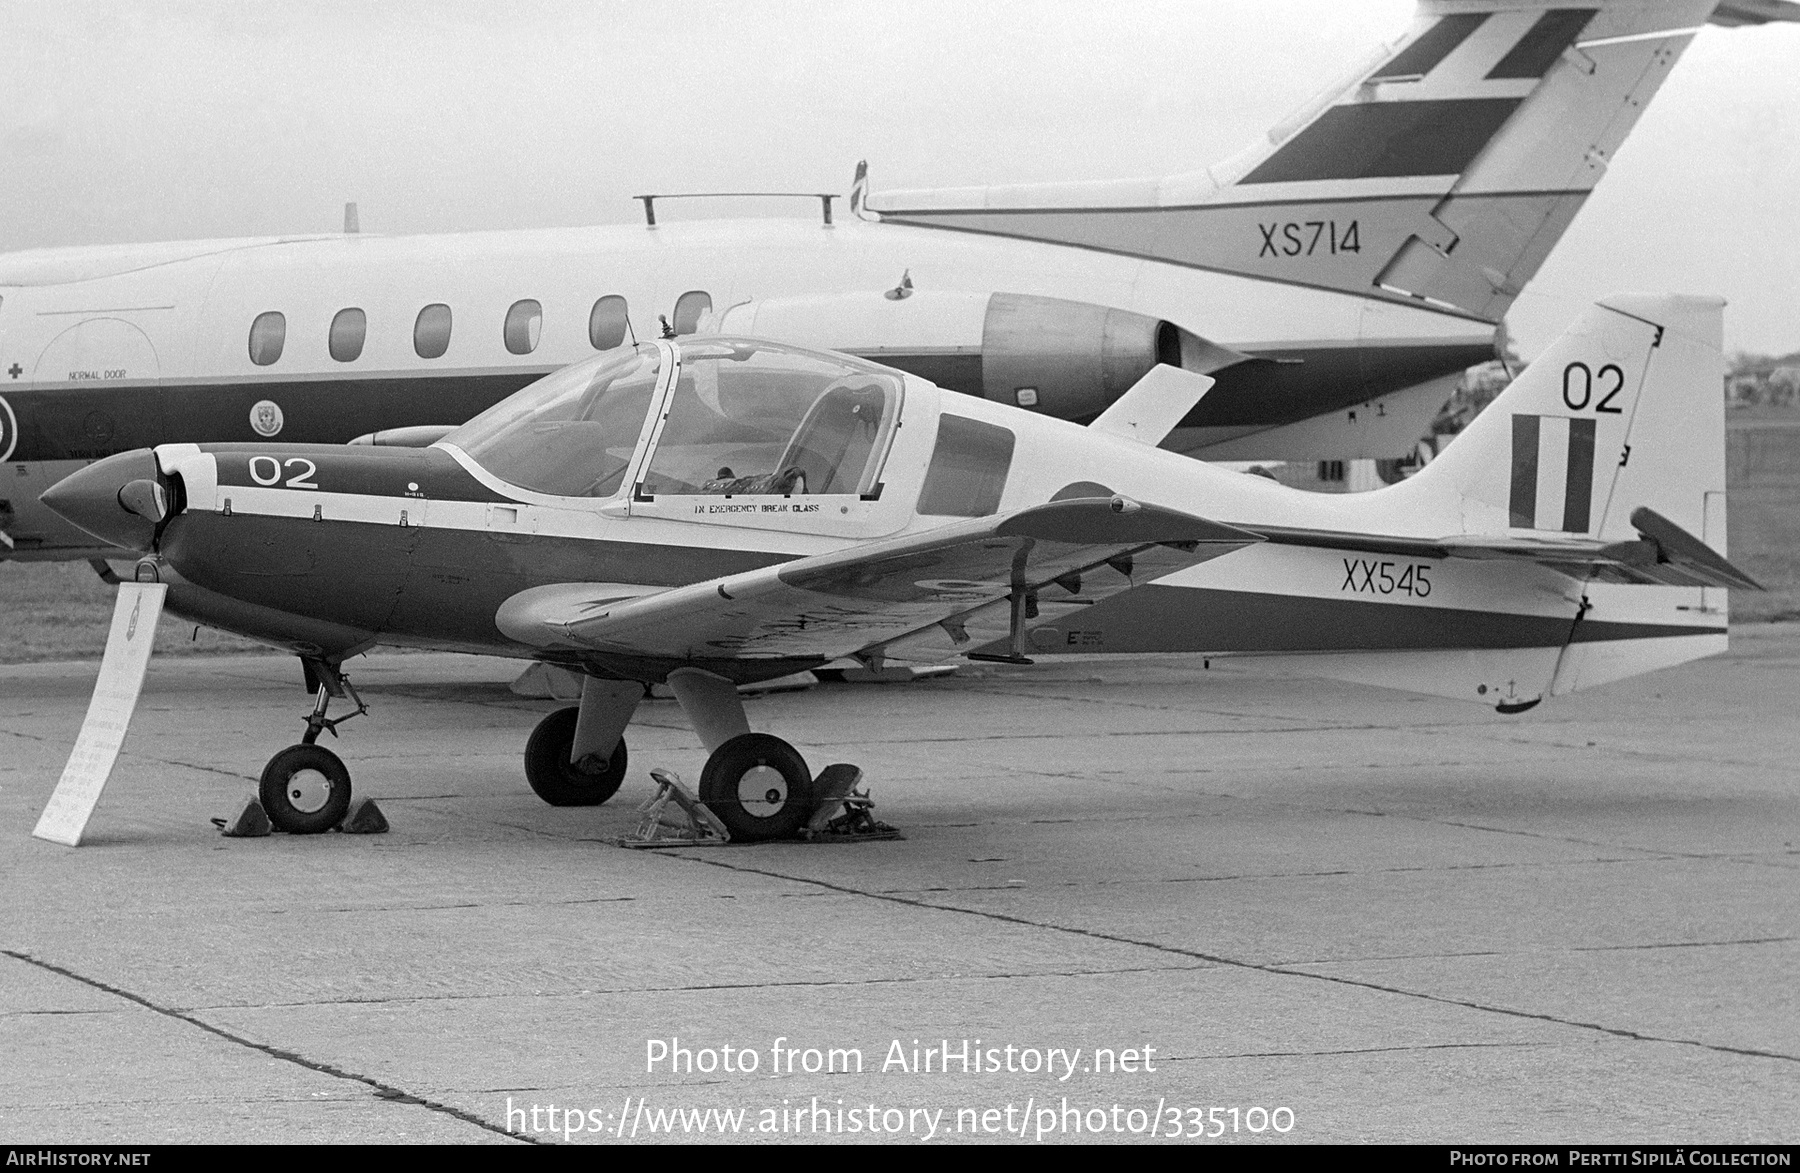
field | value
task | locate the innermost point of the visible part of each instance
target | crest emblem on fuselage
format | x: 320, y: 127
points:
x: 266, y: 417
x: 9, y: 429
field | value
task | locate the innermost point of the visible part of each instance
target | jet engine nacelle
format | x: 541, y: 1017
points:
x: 1068, y: 359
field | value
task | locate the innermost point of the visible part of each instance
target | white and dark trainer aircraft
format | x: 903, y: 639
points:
x: 712, y: 511
x: 1335, y: 278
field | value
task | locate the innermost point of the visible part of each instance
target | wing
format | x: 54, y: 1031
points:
x: 868, y: 596
x: 1664, y: 554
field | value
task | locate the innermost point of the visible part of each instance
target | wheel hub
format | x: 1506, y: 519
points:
x: 308, y: 791
x: 762, y: 790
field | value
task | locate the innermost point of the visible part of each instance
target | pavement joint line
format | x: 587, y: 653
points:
x: 632, y: 991
x: 1653, y: 854
x: 138, y: 755
x: 1627, y: 751
x: 1220, y: 959
x: 382, y: 1090
x: 26, y: 736
x: 1350, y: 1051
x: 1646, y: 854
x: 482, y: 904
x: 1451, y: 954
x: 1215, y: 879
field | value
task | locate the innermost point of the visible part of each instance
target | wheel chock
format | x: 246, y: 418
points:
x: 690, y: 824
x: 364, y: 818
x: 251, y: 823
x: 844, y: 814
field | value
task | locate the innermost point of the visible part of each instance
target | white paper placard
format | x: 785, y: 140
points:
x: 109, y: 714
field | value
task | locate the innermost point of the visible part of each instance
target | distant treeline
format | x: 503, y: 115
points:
x: 1761, y: 380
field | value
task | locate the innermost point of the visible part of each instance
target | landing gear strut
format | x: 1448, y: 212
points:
x: 305, y: 788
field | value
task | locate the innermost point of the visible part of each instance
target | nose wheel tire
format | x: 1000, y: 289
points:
x: 305, y: 789
x: 758, y: 786
x: 556, y: 779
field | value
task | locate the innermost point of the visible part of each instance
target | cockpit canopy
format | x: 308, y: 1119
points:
x: 744, y: 417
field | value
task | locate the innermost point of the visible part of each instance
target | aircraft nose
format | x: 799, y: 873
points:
x: 95, y: 498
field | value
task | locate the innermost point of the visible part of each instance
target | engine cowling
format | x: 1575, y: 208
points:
x: 1068, y: 359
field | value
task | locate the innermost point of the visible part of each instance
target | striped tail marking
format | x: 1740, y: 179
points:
x: 1552, y: 473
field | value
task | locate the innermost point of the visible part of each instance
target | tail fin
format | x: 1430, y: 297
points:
x: 1625, y: 411
x: 1441, y: 171
x: 1602, y: 464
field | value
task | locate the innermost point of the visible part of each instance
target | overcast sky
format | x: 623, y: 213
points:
x: 155, y: 121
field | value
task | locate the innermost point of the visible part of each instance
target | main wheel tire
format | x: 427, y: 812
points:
x: 556, y: 779
x: 305, y: 789
x: 758, y: 786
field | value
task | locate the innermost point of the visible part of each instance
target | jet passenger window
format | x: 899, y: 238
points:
x: 572, y: 433
x: 690, y: 307
x: 968, y: 469
x: 524, y: 322
x: 267, y: 334
x: 431, y: 333
x: 607, y: 321
x: 347, y: 331
x: 751, y: 418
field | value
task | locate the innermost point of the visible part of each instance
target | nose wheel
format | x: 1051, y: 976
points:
x: 758, y: 786
x: 305, y: 789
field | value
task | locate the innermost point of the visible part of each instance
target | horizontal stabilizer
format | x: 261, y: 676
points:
x: 1154, y: 405
x: 1734, y: 13
x: 1663, y: 555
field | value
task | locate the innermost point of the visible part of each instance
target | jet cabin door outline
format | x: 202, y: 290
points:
x: 106, y: 382
x: 751, y: 434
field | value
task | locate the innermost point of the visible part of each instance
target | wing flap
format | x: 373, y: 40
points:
x: 836, y: 604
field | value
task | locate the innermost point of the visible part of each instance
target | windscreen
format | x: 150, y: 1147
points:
x: 749, y: 418
x: 571, y: 433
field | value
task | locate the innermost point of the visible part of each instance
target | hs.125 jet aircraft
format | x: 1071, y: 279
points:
x: 1336, y: 277
x: 712, y: 511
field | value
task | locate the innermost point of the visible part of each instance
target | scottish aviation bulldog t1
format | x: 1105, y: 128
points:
x: 712, y: 511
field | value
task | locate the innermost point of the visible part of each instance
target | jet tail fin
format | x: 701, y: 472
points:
x: 1441, y: 171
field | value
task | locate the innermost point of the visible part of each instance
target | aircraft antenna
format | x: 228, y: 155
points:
x: 351, y: 226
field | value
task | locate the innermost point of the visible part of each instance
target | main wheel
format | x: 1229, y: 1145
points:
x: 758, y: 786
x: 557, y: 780
x: 305, y: 790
